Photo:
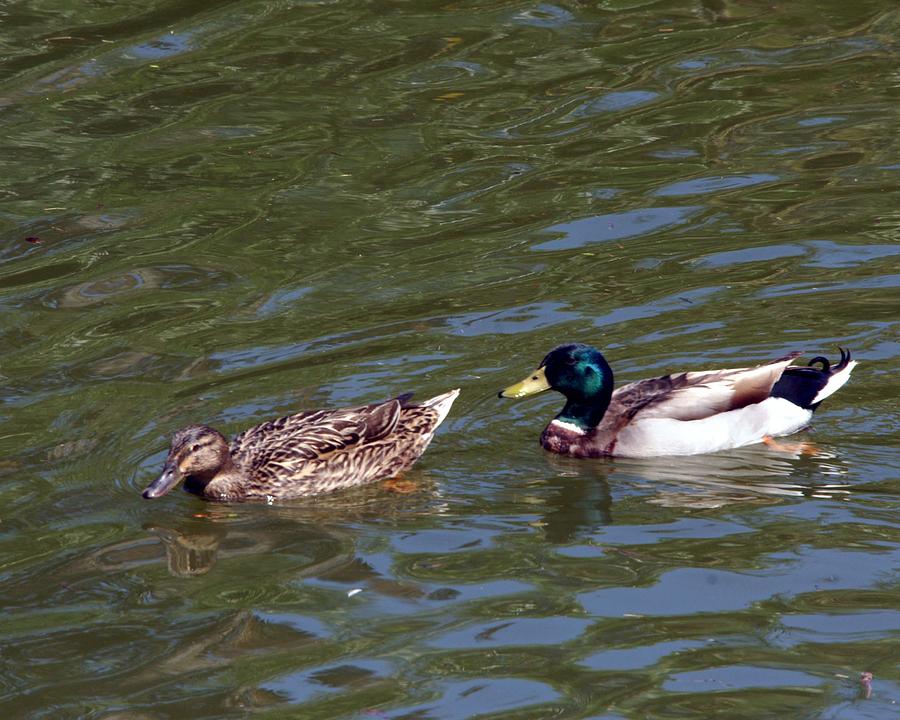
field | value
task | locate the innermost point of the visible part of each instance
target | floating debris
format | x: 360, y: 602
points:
x: 865, y: 679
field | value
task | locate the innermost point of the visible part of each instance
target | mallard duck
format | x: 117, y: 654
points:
x: 309, y: 453
x: 682, y: 414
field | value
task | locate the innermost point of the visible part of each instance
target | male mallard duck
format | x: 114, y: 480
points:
x: 309, y: 453
x: 683, y: 414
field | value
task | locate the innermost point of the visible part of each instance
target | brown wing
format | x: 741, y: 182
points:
x: 696, y: 395
x: 292, y: 440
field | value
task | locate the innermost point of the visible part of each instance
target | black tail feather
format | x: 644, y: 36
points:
x: 801, y: 385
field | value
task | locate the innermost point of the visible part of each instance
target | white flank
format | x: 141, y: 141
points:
x: 835, y: 382
x: 732, y: 429
x: 442, y: 404
x: 568, y: 427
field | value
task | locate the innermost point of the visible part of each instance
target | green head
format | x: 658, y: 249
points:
x: 581, y: 373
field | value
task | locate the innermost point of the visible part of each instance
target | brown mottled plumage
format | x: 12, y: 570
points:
x: 309, y: 453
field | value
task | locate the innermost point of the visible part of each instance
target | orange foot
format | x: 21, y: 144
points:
x: 398, y: 485
x: 801, y: 448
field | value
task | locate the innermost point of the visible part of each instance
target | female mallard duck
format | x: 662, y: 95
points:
x: 683, y: 414
x: 309, y: 453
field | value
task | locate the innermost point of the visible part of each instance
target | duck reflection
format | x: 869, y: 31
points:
x: 191, y: 550
x: 576, y: 506
x: 194, y: 545
x: 314, y: 533
x: 756, y: 474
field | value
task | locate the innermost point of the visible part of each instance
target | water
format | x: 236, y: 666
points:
x: 237, y: 210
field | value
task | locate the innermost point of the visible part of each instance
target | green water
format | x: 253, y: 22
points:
x: 245, y: 209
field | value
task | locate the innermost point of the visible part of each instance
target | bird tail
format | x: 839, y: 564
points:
x: 441, y: 404
x: 808, y: 386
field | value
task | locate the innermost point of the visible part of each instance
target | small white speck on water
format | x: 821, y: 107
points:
x: 354, y: 591
x: 270, y: 499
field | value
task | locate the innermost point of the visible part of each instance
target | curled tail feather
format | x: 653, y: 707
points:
x: 808, y: 386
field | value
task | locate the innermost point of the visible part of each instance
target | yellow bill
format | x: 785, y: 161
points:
x: 534, y: 383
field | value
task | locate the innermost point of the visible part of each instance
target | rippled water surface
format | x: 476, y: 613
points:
x: 229, y: 211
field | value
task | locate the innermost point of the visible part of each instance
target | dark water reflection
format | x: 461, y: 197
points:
x: 240, y: 209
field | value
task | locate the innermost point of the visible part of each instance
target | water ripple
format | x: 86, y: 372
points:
x: 616, y: 226
x: 230, y: 212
